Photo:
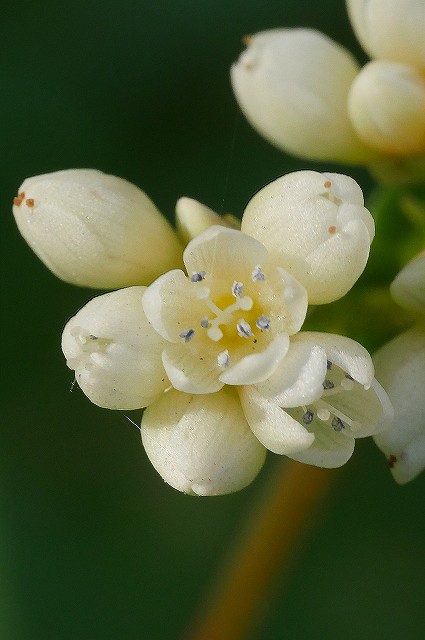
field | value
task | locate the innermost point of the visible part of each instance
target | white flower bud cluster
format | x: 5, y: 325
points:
x: 307, y: 95
x: 215, y: 354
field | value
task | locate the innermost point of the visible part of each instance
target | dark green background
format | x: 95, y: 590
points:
x: 93, y: 544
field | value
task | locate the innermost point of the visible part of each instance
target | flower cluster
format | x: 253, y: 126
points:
x: 214, y: 352
x: 308, y: 95
x: 400, y: 366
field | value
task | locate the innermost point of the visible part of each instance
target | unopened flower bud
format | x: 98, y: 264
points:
x: 94, y: 229
x: 317, y: 228
x: 193, y: 217
x: 408, y: 288
x: 292, y: 85
x: 390, y: 29
x: 386, y: 105
x: 400, y: 368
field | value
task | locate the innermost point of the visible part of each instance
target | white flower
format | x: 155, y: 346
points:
x: 386, y: 104
x: 390, y: 29
x: 227, y: 373
x: 95, y: 230
x: 193, y: 217
x: 292, y: 85
x: 307, y: 95
x: 400, y: 366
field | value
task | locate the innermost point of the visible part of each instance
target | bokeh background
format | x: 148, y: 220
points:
x: 93, y: 544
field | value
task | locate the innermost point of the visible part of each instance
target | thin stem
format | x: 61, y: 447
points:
x: 265, y: 551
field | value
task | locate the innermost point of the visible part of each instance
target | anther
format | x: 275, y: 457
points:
x: 187, y: 334
x: 263, y: 323
x: 308, y: 417
x: 328, y: 384
x: 257, y: 274
x: 237, y: 289
x: 328, y: 365
x: 204, y: 323
x: 223, y: 359
x: 244, y: 329
x: 197, y: 276
x: 337, y: 424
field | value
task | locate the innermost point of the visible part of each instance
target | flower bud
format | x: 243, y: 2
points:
x: 400, y: 368
x: 386, y: 105
x: 316, y: 227
x: 193, y: 217
x: 408, y: 288
x: 390, y: 29
x: 94, y: 229
x: 292, y: 85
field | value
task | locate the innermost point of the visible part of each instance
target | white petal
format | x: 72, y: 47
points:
x: 257, y: 366
x: 400, y: 367
x: 386, y: 105
x: 322, y: 240
x: 95, y: 230
x: 190, y: 372
x: 287, y: 301
x: 224, y: 253
x: 408, y: 288
x: 330, y: 448
x: 347, y: 354
x: 193, y: 217
x: 171, y: 305
x: 273, y: 427
x: 292, y: 85
x: 299, y: 377
x: 201, y: 444
x: 390, y: 29
x: 115, y: 352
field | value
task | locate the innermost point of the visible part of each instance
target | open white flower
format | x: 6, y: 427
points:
x: 307, y: 95
x: 227, y: 373
x: 400, y: 366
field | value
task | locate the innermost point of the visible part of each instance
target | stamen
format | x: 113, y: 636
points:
x: 244, y: 329
x: 237, y: 289
x: 337, y: 424
x: 328, y: 384
x: 308, y: 417
x: 223, y: 359
x: 328, y: 365
x: 263, y: 323
x: 257, y: 274
x: 187, y: 334
x: 197, y: 276
x: 204, y: 323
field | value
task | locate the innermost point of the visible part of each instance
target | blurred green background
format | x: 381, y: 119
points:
x: 93, y: 544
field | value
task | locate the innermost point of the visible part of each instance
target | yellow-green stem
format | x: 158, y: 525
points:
x: 265, y: 551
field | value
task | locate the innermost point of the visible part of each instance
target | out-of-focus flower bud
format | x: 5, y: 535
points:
x: 292, y: 85
x: 408, y: 288
x: 400, y: 368
x: 390, y: 29
x: 94, y: 229
x: 386, y: 105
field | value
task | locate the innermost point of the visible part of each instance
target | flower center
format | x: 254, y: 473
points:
x: 232, y: 316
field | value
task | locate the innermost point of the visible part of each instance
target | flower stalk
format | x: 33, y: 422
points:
x: 277, y: 526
